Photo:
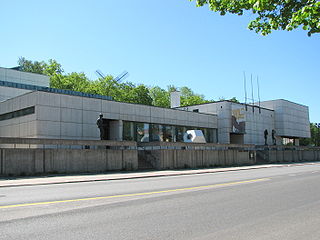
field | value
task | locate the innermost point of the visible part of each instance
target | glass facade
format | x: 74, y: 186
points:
x: 145, y: 132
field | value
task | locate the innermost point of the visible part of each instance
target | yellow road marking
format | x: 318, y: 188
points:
x: 135, y: 194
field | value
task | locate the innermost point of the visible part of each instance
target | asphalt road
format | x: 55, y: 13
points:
x: 272, y: 203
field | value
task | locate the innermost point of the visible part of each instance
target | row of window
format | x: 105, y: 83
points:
x: 15, y: 114
x: 147, y: 132
x: 53, y: 90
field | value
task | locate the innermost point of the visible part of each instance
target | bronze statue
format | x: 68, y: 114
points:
x: 265, y: 136
x: 101, y: 126
x: 273, y: 134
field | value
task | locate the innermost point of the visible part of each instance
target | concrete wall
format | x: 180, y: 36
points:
x: 163, y: 155
x: 10, y: 75
x: 256, y: 122
x: 8, y: 92
x: 291, y: 119
x: 57, y: 156
x: 24, y: 126
x: 41, y: 161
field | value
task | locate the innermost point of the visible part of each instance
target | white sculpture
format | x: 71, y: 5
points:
x: 195, y: 136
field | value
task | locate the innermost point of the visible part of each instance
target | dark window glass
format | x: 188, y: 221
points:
x: 19, y: 113
x: 167, y: 133
x: 155, y: 133
x: 128, y: 131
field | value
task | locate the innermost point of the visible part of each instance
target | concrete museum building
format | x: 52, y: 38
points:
x: 29, y: 108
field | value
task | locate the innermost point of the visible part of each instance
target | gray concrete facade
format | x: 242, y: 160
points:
x: 15, y: 76
x: 287, y: 119
x: 72, y: 117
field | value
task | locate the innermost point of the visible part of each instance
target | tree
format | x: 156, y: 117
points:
x: 51, y: 68
x: 234, y: 99
x: 107, y: 86
x: 315, y: 137
x: 272, y: 14
x: 160, y: 97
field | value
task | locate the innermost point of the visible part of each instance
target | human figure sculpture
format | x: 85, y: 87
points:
x: 101, y: 126
x: 265, y: 136
x: 274, y: 137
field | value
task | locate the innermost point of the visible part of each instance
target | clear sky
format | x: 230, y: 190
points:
x: 161, y: 43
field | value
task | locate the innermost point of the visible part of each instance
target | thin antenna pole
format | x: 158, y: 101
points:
x: 258, y: 89
x: 258, y: 93
x: 252, y: 94
x: 245, y: 87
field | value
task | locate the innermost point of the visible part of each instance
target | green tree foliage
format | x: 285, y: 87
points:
x: 123, y: 92
x: 49, y: 68
x: 315, y: 137
x: 188, y: 97
x: 272, y: 14
x: 160, y: 97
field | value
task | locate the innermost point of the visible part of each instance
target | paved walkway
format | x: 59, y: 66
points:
x: 58, y: 179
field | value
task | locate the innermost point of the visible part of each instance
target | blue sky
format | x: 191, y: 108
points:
x: 162, y: 43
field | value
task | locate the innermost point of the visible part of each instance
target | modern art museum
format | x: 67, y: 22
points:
x: 29, y: 108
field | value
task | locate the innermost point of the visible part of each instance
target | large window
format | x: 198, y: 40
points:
x: 168, y: 133
x: 145, y: 132
x: 142, y: 132
x: 128, y: 131
x: 155, y: 133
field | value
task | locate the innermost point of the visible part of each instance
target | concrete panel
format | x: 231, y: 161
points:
x: 96, y: 160
x: 114, y: 160
x: 18, y: 162
x: 222, y: 158
x: 288, y: 155
x: 49, y: 99
x: 130, y: 159
x: 48, y: 113
x: 126, y: 109
x: 71, y: 115
x: 308, y: 155
x: 90, y: 131
x: 110, y: 106
x: 90, y: 117
x: 68, y: 101
x: 48, y: 128
x: 71, y: 130
x: 279, y: 154
x: 92, y: 104
x: 210, y: 158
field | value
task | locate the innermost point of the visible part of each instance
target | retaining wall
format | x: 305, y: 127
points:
x: 164, y: 155
x: 32, y: 161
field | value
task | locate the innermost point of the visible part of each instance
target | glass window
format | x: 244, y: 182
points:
x: 180, y: 131
x: 167, y: 133
x: 142, y: 132
x: 156, y: 134
x: 19, y: 113
x: 128, y: 131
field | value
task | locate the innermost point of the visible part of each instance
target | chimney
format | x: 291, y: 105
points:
x: 175, y: 99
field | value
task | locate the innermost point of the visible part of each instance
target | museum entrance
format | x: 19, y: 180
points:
x: 236, y: 138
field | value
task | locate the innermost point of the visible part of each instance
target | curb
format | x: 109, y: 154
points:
x: 159, y: 175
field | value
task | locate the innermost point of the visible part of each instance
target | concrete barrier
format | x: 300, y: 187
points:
x: 163, y: 155
x: 86, y: 157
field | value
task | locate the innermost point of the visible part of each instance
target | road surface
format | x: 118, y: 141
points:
x: 271, y: 203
